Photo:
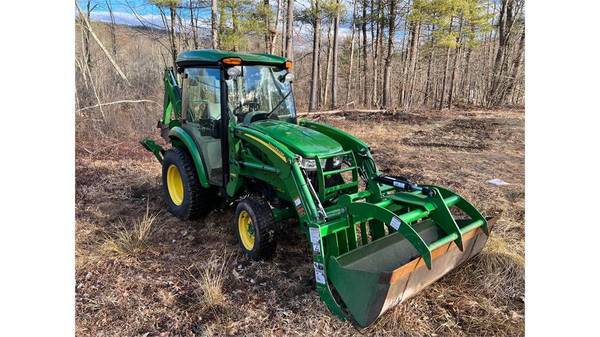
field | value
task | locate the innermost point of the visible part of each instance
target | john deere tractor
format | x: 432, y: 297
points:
x: 234, y: 137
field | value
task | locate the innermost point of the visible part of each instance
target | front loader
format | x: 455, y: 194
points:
x: 234, y: 136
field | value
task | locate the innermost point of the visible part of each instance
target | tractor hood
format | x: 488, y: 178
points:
x: 301, y: 140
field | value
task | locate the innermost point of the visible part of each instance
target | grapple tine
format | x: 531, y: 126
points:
x: 424, y: 243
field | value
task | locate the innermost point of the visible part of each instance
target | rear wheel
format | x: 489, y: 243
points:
x: 182, y: 192
x: 254, y: 226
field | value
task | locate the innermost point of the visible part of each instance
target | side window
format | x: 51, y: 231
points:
x: 202, y: 94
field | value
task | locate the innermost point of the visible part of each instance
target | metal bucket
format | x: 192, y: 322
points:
x: 383, y: 273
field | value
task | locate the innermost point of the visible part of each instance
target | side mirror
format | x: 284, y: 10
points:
x: 234, y: 72
x: 288, y: 77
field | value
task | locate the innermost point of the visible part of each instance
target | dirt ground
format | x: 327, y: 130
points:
x: 156, y: 292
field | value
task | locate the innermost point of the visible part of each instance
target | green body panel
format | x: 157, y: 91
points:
x: 373, y: 246
x: 301, y: 140
x: 214, y: 56
x: 180, y: 137
x: 172, y: 98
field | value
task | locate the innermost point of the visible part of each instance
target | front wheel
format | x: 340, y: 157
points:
x: 182, y: 192
x: 254, y: 226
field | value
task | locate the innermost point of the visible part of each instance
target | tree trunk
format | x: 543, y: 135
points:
x: 349, y: 80
x: 375, y: 48
x: 86, y: 37
x: 428, y: 90
x: 455, y: 65
x: 504, y: 25
x: 445, y: 75
x: 312, y: 104
x: 289, y: 30
x: 365, y: 61
x: 387, y: 98
x: 517, y: 63
x: 214, y: 32
x: 325, y: 82
x: 414, y: 58
x: 173, y: 12
x: 404, y: 57
x: 221, y: 19
x: 274, y: 26
x: 113, y: 35
x: 267, y: 22
x: 334, y: 66
x: 193, y: 25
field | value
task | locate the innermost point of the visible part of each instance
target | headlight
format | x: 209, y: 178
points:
x: 337, y: 161
x: 311, y: 164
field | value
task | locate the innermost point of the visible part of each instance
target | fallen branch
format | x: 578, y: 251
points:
x: 112, y: 61
x: 100, y: 105
x: 333, y: 112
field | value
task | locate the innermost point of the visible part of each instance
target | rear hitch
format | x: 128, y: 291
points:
x: 156, y: 149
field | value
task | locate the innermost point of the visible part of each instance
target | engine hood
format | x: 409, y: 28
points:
x: 301, y: 140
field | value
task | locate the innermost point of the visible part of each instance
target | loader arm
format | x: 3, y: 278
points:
x: 172, y: 98
x: 372, y: 248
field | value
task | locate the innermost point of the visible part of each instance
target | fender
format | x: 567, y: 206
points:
x: 285, y: 162
x: 178, y: 134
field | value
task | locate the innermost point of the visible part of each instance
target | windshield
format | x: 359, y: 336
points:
x: 261, y: 88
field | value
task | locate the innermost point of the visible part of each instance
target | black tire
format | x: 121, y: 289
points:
x: 262, y: 224
x: 195, y: 200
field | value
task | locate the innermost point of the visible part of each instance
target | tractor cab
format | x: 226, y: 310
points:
x: 221, y: 89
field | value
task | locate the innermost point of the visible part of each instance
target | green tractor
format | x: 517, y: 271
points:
x: 376, y: 240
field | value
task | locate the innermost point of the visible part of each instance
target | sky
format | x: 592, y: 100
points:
x: 123, y: 12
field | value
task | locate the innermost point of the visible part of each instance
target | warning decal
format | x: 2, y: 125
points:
x: 319, y: 273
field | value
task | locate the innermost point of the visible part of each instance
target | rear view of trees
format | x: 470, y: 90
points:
x: 397, y: 55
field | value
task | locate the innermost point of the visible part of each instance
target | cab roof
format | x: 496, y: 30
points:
x: 214, y: 56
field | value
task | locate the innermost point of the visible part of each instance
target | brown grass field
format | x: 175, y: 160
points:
x: 142, y: 272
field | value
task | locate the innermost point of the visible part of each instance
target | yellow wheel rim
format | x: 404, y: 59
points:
x: 175, y: 185
x: 246, y: 230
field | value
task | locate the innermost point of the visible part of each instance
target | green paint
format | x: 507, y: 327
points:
x: 301, y: 140
x: 177, y: 133
x: 362, y: 235
x: 212, y: 56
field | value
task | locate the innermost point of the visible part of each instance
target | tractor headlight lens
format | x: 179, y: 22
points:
x: 337, y: 161
x: 310, y: 164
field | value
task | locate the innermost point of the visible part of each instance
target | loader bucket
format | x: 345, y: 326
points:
x: 381, y: 274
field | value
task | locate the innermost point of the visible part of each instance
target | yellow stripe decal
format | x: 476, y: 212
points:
x: 271, y: 147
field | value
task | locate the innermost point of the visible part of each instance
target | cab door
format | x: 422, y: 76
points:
x: 201, y: 107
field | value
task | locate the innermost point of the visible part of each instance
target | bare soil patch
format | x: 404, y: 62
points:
x: 156, y: 292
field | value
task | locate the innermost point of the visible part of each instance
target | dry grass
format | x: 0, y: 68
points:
x: 500, y: 269
x: 133, y: 241
x: 211, y: 279
x: 119, y: 185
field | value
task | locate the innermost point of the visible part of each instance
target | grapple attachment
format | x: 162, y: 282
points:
x: 393, y: 248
